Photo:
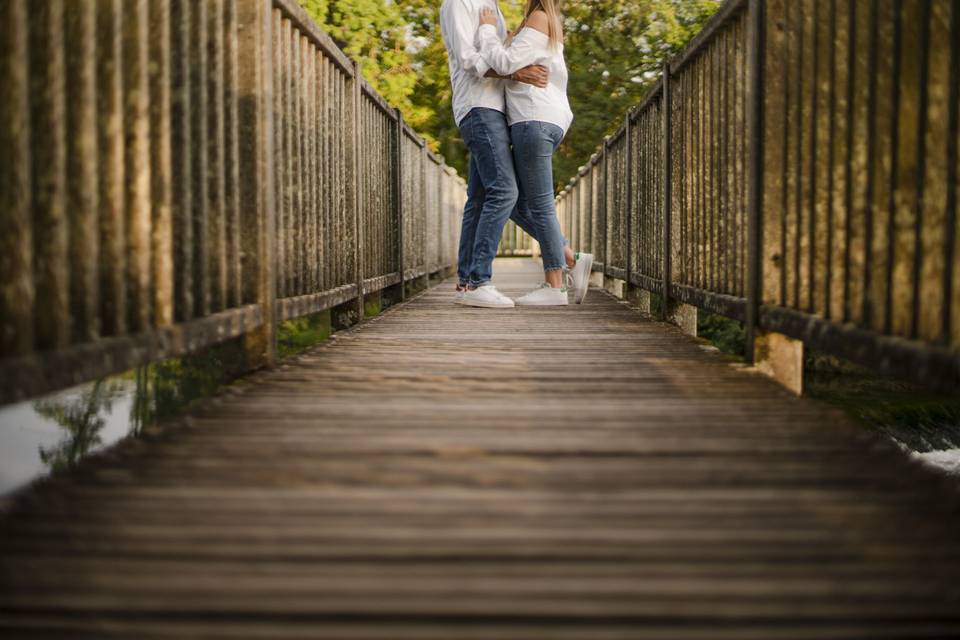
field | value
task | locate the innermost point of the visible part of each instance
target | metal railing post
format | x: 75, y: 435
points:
x: 606, y: 210
x: 441, y: 172
x: 628, y: 258
x: 354, y: 184
x: 667, y: 152
x: 398, y: 195
x: 755, y: 52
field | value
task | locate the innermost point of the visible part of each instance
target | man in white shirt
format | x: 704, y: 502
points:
x: 478, y: 107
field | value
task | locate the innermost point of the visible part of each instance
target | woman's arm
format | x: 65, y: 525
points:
x: 522, y: 52
x: 460, y: 38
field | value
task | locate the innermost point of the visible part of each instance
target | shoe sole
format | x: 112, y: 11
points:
x: 582, y: 293
x: 543, y: 304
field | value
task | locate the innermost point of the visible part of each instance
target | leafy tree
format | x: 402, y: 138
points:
x: 375, y: 34
x: 614, y: 49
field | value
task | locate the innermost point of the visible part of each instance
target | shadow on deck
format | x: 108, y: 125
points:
x: 444, y: 472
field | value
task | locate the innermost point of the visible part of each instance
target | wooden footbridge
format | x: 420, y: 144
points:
x: 440, y: 472
x: 178, y: 175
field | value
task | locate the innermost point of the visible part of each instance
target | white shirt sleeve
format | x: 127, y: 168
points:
x: 462, y: 39
x: 526, y: 49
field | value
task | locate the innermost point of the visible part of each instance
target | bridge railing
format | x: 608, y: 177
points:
x: 176, y: 173
x: 795, y: 168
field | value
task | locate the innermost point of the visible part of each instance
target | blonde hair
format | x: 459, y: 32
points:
x: 555, y: 24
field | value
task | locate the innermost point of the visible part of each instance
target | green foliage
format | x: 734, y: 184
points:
x: 614, y: 49
x: 302, y: 333
x: 725, y: 334
x: 375, y: 34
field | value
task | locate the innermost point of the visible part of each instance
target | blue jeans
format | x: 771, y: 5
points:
x: 533, y: 146
x: 491, y: 184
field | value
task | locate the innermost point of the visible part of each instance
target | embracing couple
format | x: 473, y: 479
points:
x: 510, y: 104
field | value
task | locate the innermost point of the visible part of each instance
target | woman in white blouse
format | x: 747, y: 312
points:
x: 538, y: 119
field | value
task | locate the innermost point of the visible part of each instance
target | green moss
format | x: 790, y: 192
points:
x: 295, y: 336
x: 371, y: 306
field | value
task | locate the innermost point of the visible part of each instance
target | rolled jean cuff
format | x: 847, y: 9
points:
x: 479, y: 284
x: 561, y: 267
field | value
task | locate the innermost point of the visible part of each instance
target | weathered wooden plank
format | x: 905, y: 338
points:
x: 351, y: 486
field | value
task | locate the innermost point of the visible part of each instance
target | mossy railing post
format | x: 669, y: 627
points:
x: 667, y: 168
x: 755, y: 106
x: 255, y: 157
x: 398, y: 200
x: 17, y: 289
x: 606, y: 210
x: 628, y: 257
x: 353, y: 183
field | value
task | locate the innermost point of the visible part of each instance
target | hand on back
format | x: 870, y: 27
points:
x: 488, y: 16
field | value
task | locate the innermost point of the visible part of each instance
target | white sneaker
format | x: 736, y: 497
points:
x: 458, y: 297
x: 544, y: 296
x: 580, y: 274
x: 486, y: 296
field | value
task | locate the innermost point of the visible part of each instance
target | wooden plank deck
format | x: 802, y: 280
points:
x: 442, y: 472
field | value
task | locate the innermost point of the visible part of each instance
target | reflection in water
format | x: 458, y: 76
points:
x: 54, y: 433
x: 82, y: 418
